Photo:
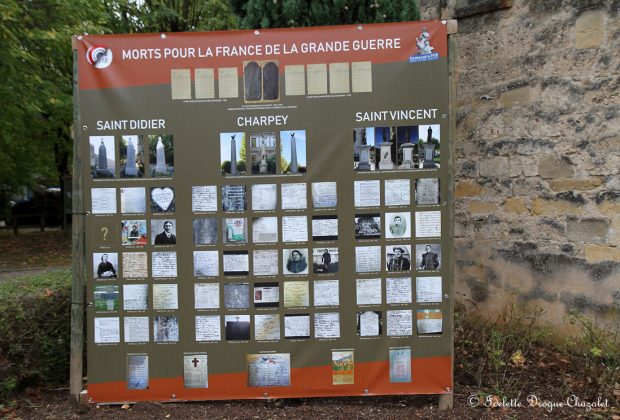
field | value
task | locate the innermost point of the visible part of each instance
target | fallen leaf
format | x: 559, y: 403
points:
x: 517, y: 358
x: 125, y: 406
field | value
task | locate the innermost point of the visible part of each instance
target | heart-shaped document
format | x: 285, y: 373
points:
x: 162, y: 197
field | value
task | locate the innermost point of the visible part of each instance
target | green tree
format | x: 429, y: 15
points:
x: 300, y: 13
x: 283, y: 164
x: 36, y: 62
x: 242, y: 151
x: 168, y: 15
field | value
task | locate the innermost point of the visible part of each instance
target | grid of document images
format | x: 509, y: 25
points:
x: 266, y: 253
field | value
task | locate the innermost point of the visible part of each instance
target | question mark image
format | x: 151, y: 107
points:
x: 105, y: 232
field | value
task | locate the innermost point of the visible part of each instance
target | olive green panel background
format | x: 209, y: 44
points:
x: 329, y: 122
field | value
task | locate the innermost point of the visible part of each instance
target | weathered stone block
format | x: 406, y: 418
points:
x: 587, y: 230
x: 614, y: 231
x: 466, y: 8
x: 556, y: 208
x: 482, y: 207
x: 468, y: 189
x: 551, y: 167
x: 590, y: 29
x: 515, y: 205
x: 609, y: 208
x: 523, y: 165
x: 467, y: 168
x: 600, y: 253
x: 515, y: 169
x: 530, y: 168
x: 496, y: 167
x: 576, y: 184
x: 518, y: 96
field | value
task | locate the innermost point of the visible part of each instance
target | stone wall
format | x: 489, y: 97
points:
x: 537, y: 194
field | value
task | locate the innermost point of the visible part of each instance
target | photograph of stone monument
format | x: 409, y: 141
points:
x: 428, y: 146
x: 102, y: 156
x: 406, y: 146
x: 293, y: 151
x: 261, y: 81
x: 263, y: 154
x: 232, y: 153
x: 161, y: 155
x: 385, y: 148
x: 364, y: 151
x: 131, y: 150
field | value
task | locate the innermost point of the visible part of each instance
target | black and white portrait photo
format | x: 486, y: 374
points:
x: 295, y: 261
x: 398, y: 225
x: 398, y: 258
x: 105, y: 265
x: 164, y: 232
x: 325, y: 260
x: 428, y: 256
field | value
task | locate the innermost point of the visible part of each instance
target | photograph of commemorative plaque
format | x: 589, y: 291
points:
x: 261, y: 81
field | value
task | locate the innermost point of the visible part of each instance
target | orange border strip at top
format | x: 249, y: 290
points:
x: 125, y: 72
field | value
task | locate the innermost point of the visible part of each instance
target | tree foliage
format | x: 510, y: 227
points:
x: 300, y: 13
x: 36, y: 64
x: 168, y: 15
x: 36, y: 91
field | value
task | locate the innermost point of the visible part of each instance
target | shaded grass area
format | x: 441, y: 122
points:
x: 34, y: 331
x: 31, y: 249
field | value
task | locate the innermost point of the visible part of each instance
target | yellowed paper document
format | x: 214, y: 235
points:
x: 181, y: 84
x: 204, y: 83
x: 294, y: 80
x: 339, y: 78
x: 317, y: 79
x: 361, y: 76
x: 228, y: 82
x: 296, y: 293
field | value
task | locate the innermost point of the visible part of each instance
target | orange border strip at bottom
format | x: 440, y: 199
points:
x: 432, y: 375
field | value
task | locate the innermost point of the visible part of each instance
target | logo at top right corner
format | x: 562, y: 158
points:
x: 425, y: 50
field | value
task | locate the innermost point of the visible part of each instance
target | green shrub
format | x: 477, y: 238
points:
x: 35, y: 325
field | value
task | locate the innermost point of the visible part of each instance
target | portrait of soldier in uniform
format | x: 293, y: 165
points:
x: 398, y: 260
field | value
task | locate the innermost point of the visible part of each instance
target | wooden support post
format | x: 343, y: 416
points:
x: 446, y: 402
x: 77, y: 290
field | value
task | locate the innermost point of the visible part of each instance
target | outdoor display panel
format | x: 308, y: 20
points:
x: 268, y: 212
